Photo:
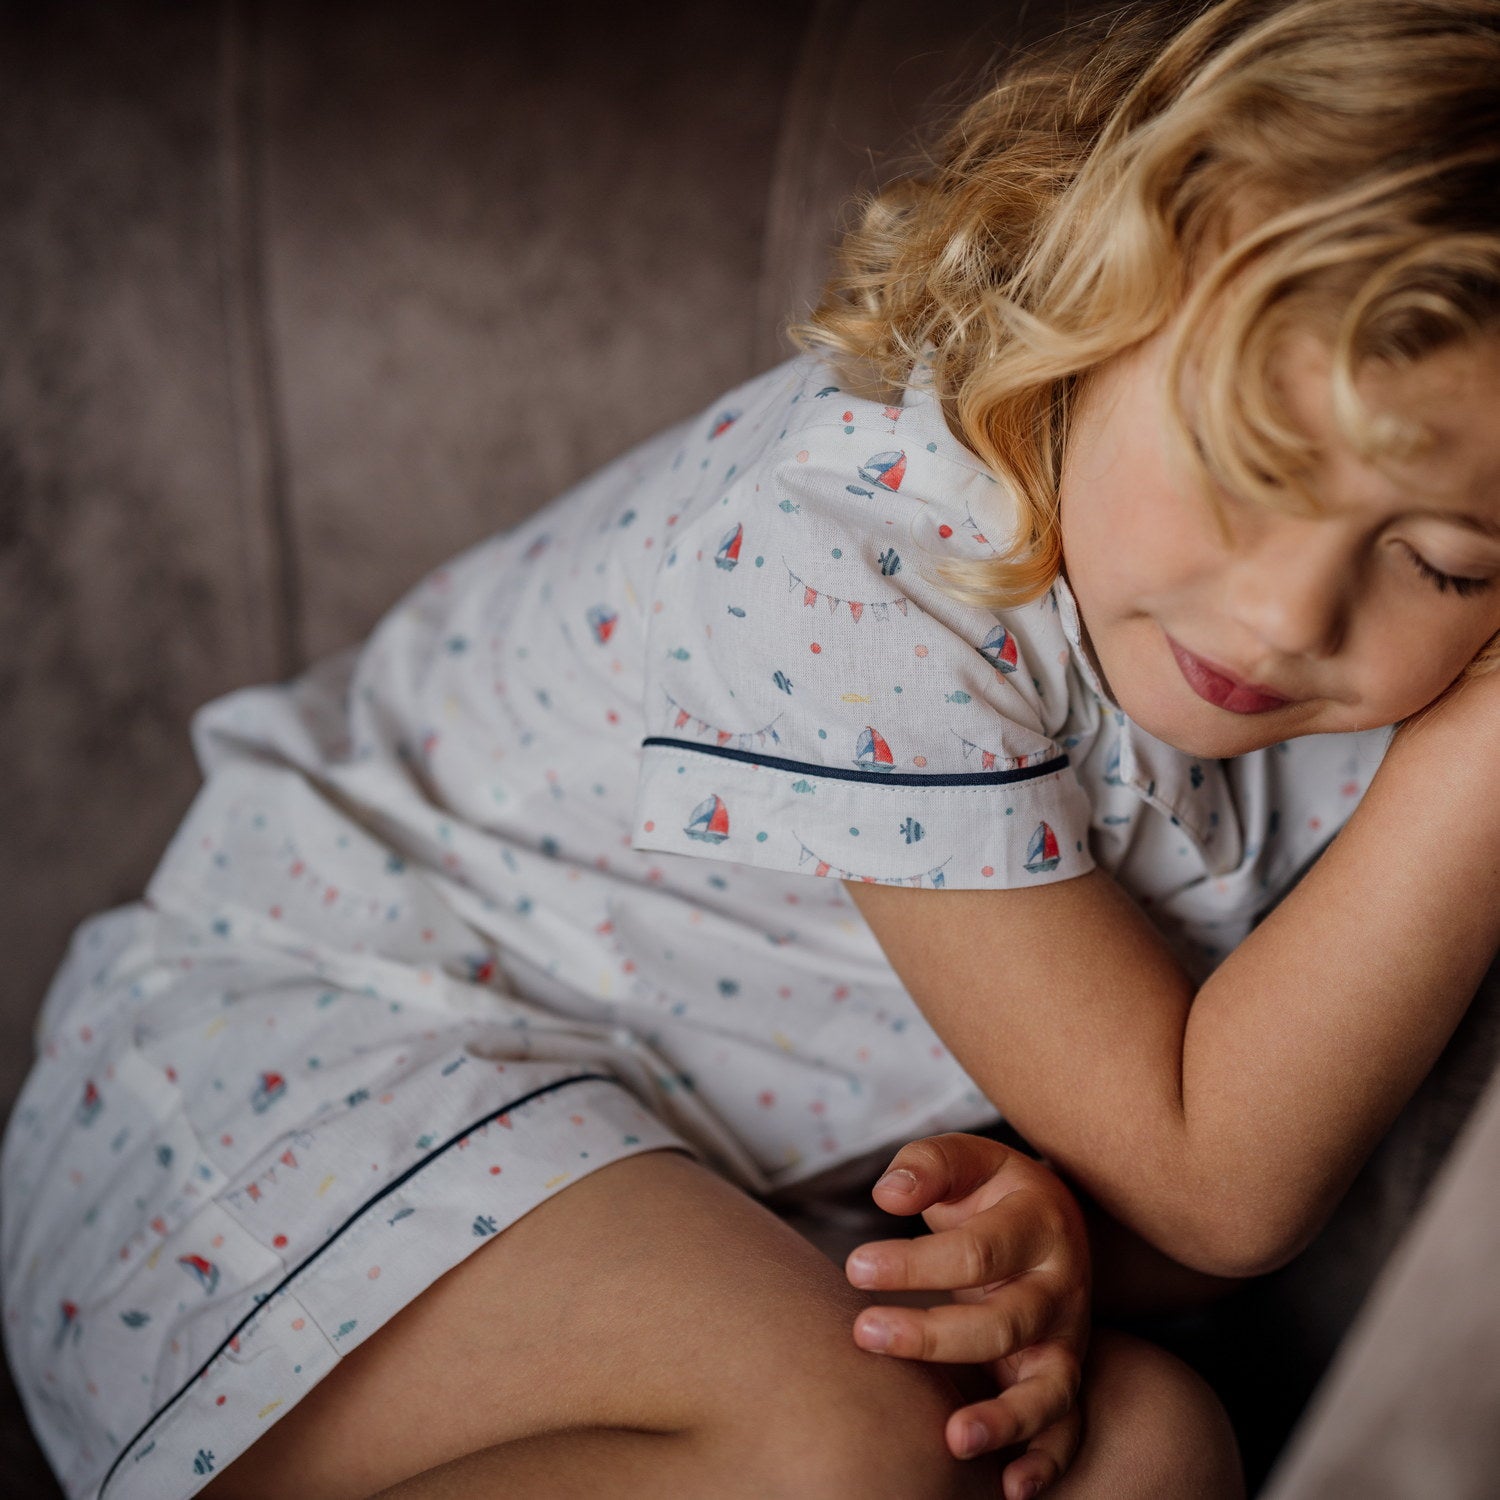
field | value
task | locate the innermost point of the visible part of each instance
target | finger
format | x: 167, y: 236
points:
x: 960, y: 1333
x: 1014, y: 1235
x: 1046, y: 1460
x: 1044, y: 1396
x: 938, y: 1169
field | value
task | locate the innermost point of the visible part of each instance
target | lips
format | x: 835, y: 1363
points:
x: 1223, y: 689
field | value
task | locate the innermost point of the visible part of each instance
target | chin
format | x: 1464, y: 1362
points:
x: 1200, y: 729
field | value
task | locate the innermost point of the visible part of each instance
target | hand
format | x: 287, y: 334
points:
x: 1011, y: 1245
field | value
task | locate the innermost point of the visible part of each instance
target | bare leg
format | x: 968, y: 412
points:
x: 650, y: 1325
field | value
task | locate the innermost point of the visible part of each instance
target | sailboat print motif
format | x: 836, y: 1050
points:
x: 1042, y: 853
x: 872, y: 753
x: 728, y: 555
x: 883, y: 470
x: 602, y: 622
x: 709, y: 822
x: 999, y: 649
x: 270, y: 1088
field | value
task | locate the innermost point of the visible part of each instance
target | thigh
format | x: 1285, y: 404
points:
x: 651, y: 1296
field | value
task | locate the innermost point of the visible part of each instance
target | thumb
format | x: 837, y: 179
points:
x: 940, y: 1169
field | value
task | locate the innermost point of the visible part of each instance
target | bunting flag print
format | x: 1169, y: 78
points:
x: 879, y: 609
x: 747, y: 739
x: 989, y: 760
x: 933, y: 877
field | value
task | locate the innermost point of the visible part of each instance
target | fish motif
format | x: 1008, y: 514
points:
x: 803, y: 785
x: 828, y: 390
x: 790, y: 508
x: 959, y: 697
x: 911, y: 831
x: 890, y: 562
x: 679, y: 654
x: 736, y: 611
x: 782, y: 681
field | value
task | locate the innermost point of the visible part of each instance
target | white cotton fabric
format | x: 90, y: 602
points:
x: 547, y: 872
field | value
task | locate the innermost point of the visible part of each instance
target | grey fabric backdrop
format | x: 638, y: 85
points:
x: 298, y: 300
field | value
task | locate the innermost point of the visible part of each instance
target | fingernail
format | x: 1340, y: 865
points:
x: 875, y: 1334
x: 972, y: 1440
x: 1031, y: 1489
x: 900, y: 1181
x: 863, y: 1268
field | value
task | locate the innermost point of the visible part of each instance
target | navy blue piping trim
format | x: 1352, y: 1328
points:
x: 880, y: 778
x: 234, y: 1332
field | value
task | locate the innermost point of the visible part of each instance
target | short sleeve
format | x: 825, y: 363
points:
x: 814, y: 702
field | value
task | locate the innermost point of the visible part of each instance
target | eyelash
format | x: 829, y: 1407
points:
x: 1442, y: 582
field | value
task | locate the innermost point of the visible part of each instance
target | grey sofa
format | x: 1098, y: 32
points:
x: 301, y: 299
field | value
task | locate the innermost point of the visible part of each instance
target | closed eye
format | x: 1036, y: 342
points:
x: 1442, y: 582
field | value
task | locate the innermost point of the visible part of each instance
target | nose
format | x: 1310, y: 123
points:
x: 1291, y: 585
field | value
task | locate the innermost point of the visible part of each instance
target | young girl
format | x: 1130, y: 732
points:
x: 917, y: 734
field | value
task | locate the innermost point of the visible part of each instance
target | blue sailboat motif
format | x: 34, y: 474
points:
x: 872, y: 752
x: 728, y: 555
x: 709, y: 822
x: 999, y: 649
x: 1042, y: 853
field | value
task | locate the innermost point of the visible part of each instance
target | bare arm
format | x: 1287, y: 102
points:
x: 1223, y: 1127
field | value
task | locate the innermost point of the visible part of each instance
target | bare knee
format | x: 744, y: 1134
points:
x: 1155, y: 1430
x: 877, y: 1434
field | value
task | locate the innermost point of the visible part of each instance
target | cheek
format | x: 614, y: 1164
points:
x: 1406, y: 668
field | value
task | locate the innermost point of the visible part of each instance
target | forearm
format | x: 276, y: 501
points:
x: 1300, y: 1050
x: 1223, y: 1126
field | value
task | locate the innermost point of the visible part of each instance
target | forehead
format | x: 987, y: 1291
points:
x: 1435, y: 424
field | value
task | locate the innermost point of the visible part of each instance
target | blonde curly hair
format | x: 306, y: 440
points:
x: 1251, y: 168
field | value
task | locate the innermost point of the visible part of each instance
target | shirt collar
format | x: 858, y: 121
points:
x: 1192, y: 791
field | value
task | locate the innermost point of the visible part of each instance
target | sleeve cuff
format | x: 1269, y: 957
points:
x: 1022, y: 826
